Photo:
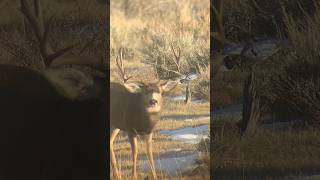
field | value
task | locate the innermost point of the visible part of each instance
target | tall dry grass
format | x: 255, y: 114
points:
x: 297, y: 80
x: 288, y: 80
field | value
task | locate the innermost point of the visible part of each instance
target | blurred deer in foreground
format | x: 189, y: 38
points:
x: 52, y: 121
x: 135, y: 108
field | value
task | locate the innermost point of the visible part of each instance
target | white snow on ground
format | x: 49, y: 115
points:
x: 176, y: 165
x: 173, y: 166
x: 178, y: 98
x: 197, y: 118
x: 190, y: 135
x: 182, y: 97
x: 190, y: 118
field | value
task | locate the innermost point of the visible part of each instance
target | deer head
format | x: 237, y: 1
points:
x: 151, y: 93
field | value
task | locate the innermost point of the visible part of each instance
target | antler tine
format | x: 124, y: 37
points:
x: 36, y: 20
x: 33, y: 18
x: 121, y: 61
x: 120, y: 65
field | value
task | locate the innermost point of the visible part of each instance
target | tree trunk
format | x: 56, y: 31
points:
x: 188, y: 94
x: 251, y: 110
x: 126, y: 8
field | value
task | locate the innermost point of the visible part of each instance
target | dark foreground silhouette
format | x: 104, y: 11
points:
x: 46, y: 136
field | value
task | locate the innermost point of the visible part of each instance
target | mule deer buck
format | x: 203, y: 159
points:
x: 135, y: 108
x: 52, y: 121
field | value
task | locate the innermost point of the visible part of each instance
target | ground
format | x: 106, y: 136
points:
x: 276, y: 151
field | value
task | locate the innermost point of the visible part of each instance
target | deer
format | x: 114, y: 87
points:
x: 53, y: 119
x: 135, y: 108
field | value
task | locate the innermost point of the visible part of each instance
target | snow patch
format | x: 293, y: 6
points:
x: 182, y: 98
x: 178, y: 98
x: 189, y: 135
x: 173, y: 166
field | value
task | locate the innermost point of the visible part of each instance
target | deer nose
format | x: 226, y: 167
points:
x: 153, y: 102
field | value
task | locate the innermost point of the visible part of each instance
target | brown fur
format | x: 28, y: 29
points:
x: 128, y: 112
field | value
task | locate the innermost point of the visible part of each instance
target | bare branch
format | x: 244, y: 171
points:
x: 164, y: 68
x: 177, y: 57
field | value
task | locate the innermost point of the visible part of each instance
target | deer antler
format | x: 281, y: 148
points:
x: 122, y: 72
x: 49, y: 57
x: 36, y: 20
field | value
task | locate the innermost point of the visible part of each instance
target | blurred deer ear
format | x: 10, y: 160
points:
x: 133, y: 87
x: 72, y: 83
x: 168, y: 85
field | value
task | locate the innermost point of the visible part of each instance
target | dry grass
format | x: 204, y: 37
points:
x: 150, y: 32
x: 269, y: 154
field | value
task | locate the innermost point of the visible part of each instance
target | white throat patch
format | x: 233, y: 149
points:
x: 153, y: 102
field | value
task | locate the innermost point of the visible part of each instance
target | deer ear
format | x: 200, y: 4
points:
x: 133, y: 87
x: 168, y: 85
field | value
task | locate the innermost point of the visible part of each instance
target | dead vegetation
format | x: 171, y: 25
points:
x: 282, y: 88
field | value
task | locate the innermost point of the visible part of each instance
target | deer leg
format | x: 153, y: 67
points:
x: 134, y: 148
x: 150, y: 155
x: 113, y: 136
